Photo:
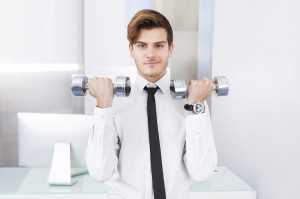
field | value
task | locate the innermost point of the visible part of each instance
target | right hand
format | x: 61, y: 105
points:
x: 199, y: 90
x: 101, y: 88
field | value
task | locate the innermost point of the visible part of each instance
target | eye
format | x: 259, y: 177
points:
x: 159, y: 45
x: 141, y: 45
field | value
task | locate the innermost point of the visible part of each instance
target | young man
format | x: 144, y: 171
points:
x: 121, y: 150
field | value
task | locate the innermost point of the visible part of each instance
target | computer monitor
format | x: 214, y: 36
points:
x: 39, y: 133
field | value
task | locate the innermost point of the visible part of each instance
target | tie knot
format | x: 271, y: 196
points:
x: 152, y: 90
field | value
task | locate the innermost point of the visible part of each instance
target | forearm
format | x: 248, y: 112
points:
x: 201, y: 156
x: 101, y: 152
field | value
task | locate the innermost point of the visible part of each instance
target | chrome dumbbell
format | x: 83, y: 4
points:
x: 80, y: 85
x: 178, y: 87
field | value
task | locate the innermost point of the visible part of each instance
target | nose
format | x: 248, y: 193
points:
x: 150, y: 52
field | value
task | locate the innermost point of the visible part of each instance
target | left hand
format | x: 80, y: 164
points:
x: 199, y: 90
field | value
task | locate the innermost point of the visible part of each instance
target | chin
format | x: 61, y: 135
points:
x: 151, y: 75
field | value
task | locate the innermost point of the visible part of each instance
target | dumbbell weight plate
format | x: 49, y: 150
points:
x: 79, y: 85
x: 221, y: 87
x: 122, y: 86
x: 178, y: 89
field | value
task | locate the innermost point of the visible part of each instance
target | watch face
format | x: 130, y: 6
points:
x: 198, y: 108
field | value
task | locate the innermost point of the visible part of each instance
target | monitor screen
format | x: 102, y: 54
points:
x: 38, y: 133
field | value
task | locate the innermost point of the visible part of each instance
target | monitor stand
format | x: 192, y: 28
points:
x: 60, y: 171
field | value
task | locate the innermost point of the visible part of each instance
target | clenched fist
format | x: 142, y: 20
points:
x: 199, y: 90
x: 101, y: 88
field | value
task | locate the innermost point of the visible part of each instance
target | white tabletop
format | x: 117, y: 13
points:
x: 32, y: 183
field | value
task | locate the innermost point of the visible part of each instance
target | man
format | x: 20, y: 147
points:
x: 120, y: 150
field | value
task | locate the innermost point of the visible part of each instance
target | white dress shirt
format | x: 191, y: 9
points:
x: 118, y: 148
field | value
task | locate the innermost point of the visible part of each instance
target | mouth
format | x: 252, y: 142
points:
x: 151, y: 63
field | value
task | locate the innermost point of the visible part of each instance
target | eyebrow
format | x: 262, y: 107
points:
x: 159, y: 42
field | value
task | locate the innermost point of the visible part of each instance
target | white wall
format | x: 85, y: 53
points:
x: 34, y: 31
x: 257, y: 46
x: 37, y: 32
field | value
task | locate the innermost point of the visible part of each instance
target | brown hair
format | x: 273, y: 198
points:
x: 148, y: 19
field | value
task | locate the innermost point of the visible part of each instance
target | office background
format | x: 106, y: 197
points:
x: 256, y: 44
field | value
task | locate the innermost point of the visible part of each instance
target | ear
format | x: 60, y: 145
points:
x: 171, y: 50
x: 130, y: 46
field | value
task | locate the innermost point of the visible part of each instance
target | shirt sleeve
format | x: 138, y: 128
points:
x: 200, y: 155
x: 101, y: 154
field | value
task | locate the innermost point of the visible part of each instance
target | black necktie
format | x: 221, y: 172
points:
x: 156, y: 163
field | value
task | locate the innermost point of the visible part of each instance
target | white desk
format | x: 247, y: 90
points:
x: 31, y: 183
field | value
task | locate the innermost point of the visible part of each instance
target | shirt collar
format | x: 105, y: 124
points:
x: 163, y: 83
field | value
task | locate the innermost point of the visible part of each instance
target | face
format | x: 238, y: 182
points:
x: 151, y: 53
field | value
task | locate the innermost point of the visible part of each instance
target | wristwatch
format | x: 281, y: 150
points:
x: 198, y: 107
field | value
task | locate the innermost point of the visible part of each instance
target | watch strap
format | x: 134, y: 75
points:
x: 189, y: 107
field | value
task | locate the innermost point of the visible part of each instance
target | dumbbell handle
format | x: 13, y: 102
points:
x: 80, y: 85
x: 178, y: 88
